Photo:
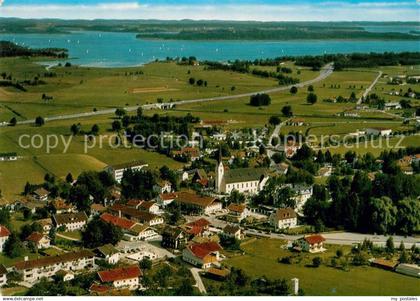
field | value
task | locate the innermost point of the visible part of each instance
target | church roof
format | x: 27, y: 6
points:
x: 244, y: 175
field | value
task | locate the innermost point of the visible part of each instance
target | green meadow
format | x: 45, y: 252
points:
x: 82, y: 89
x: 260, y: 259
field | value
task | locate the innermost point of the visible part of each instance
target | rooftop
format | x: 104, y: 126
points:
x: 168, y: 196
x: 120, y: 274
x: 142, y: 216
x: 4, y: 232
x: 239, y: 208
x: 314, y: 239
x: 35, y: 237
x: 67, y: 218
x: 41, y: 192
x: 117, y: 221
x: 128, y: 165
x: 201, y: 250
x: 285, y: 213
x: 195, y: 199
x: 107, y: 250
x: 51, y: 260
x: 244, y: 174
x: 201, y: 222
x: 231, y: 229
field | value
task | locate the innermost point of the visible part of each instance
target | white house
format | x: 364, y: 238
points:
x: 8, y: 156
x: 202, y: 255
x: 149, y: 206
x: 4, y: 236
x: 232, y: 231
x: 46, y: 224
x: 72, y: 221
x: 126, y: 277
x: 117, y: 170
x: 392, y: 106
x: 244, y: 180
x: 34, y: 270
x: 238, y: 210
x: 283, y: 218
x: 41, y: 194
x: 303, y: 193
x: 164, y: 199
x: 109, y: 253
x: 378, y: 132
x: 163, y: 187
x: 140, y: 232
x: 218, y: 136
x: 40, y: 240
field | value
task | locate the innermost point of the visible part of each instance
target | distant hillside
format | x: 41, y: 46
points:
x: 215, y: 30
x: 9, y: 49
x: 298, y: 33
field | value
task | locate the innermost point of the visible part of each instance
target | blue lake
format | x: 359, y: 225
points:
x: 108, y: 49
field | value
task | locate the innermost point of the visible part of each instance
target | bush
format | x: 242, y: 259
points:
x: 260, y: 100
x: 311, y: 98
x: 316, y: 261
x: 274, y: 120
x: 293, y: 90
x: 286, y: 260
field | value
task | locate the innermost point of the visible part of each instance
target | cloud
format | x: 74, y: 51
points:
x: 325, y: 11
x: 1, y: 2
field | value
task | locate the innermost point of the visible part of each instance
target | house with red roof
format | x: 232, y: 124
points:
x: 4, y: 235
x: 202, y: 255
x: 164, y: 199
x: 40, y: 240
x: 311, y: 243
x: 197, y: 228
x: 122, y: 223
x: 238, y: 211
x: 126, y: 277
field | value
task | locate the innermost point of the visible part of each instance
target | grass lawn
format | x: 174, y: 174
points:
x: 13, y: 291
x: 36, y: 162
x: 261, y: 256
x: 72, y: 234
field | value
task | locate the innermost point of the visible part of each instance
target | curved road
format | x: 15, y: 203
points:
x: 326, y: 71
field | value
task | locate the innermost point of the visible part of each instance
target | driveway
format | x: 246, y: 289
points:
x: 199, y: 283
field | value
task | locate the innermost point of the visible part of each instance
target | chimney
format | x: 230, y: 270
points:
x: 295, y: 286
x: 26, y: 258
x: 119, y: 213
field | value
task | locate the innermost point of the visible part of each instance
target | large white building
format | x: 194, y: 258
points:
x: 117, y: 171
x: 244, y: 180
x: 71, y: 221
x: 34, y: 270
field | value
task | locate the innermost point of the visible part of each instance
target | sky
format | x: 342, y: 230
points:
x: 259, y: 10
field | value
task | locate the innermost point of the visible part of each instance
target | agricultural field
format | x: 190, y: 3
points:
x: 82, y: 89
x: 36, y: 162
x: 261, y: 257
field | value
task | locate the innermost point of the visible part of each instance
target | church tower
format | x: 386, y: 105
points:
x: 220, y: 172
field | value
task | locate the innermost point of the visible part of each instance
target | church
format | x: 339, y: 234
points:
x: 244, y: 180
